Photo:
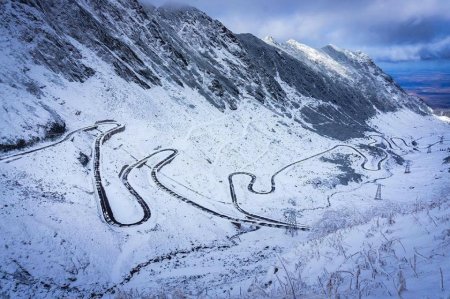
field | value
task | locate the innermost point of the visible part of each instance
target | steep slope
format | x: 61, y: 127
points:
x: 351, y: 82
x: 177, y: 47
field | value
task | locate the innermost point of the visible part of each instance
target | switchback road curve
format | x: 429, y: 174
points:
x: 402, y: 140
x: 272, y: 179
x: 105, y: 205
x: 251, y: 218
x: 167, y: 160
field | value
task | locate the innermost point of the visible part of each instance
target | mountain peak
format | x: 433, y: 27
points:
x: 270, y: 40
x: 333, y: 47
x: 300, y: 46
x: 346, y: 55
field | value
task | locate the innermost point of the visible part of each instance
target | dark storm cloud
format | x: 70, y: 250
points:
x: 410, y: 31
x: 386, y: 29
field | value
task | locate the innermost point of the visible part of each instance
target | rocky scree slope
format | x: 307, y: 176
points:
x: 178, y: 47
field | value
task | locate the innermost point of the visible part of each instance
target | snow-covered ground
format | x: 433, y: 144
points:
x: 54, y: 240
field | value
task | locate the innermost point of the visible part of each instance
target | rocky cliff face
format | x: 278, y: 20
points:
x: 330, y: 91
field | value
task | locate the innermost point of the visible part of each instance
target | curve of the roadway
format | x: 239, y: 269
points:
x: 167, y: 160
x: 251, y: 218
x: 250, y: 185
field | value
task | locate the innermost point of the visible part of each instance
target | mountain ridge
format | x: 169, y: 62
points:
x: 177, y: 46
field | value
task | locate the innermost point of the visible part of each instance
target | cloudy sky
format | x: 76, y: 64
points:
x: 388, y: 30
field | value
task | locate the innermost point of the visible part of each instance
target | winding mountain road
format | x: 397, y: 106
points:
x: 250, y: 218
x: 105, y: 205
x: 272, y: 179
x: 107, y: 211
x: 401, y: 139
x: 167, y: 160
x: 66, y: 137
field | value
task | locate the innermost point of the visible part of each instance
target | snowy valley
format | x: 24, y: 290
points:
x: 152, y: 152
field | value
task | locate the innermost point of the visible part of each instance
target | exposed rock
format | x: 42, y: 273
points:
x: 83, y: 158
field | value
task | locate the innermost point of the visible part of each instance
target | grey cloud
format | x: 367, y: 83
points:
x: 438, y: 50
x: 413, y: 30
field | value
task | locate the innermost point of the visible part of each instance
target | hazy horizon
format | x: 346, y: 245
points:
x: 428, y: 79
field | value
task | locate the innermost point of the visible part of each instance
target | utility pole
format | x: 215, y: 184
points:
x: 378, y: 195
x: 291, y: 218
x: 429, y: 149
x: 408, y: 167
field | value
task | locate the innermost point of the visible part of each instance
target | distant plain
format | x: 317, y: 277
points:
x: 429, y: 80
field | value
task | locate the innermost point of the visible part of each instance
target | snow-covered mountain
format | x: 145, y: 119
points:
x: 331, y: 91
x: 237, y: 134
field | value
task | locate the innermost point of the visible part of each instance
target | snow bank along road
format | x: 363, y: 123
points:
x: 250, y: 218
